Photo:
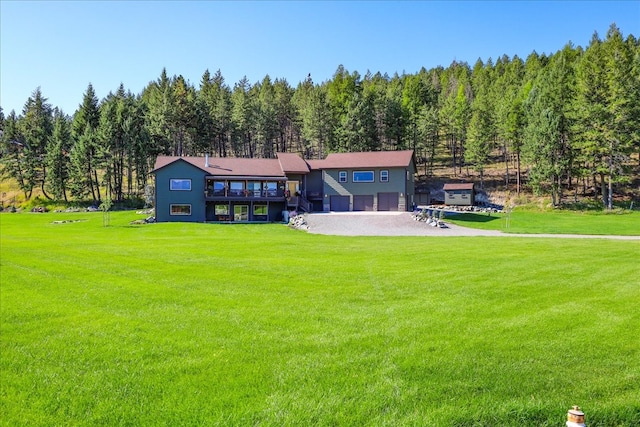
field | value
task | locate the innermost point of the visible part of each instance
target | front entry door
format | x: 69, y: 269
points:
x: 293, y: 187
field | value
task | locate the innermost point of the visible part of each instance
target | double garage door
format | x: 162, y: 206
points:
x: 386, y: 202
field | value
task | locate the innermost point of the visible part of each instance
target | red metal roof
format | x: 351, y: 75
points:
x: 315, y: 164
x: 370, y: 159
x: 292, y: 163
x: 228, y: 166
x: 459, y: 186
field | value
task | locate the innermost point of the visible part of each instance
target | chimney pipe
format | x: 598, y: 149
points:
x: 206, y: 160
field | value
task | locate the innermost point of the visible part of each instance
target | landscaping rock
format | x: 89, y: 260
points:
x: 298, y: 222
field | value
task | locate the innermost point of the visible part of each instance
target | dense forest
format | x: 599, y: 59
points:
x: 557, y: 125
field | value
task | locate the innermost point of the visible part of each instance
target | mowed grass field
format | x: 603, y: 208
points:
x: 247, y: 325
x: 527, y: 221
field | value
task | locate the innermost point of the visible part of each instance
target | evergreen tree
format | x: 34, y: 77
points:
x: 481, y: 131
x: 508, y: 118
x: 607, y: 110
x: 184, y: 118
x: 158, y: 99
x: 83, y: 171
x: 57, y: 158
x: 205, y: 101
x: 36, y: 127
x: 358, y: 129
x: 266, y: 118
x: 243, y: 117
x: 214, y: 114
x: 315, y: 119
x: 83, y: 168
x: 341, y: 94
x: 548, y: 133
x: 393, y: 119
x: 13, y: 160
x: 414, y: 98
x: 286, y: 132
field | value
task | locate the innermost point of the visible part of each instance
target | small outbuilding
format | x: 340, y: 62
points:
x: 460, y: 194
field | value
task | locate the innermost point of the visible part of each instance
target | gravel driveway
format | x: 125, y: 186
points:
x: 402, y: 224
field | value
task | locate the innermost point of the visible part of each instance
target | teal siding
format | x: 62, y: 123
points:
x: 397, y: 183
x: 165, y: 197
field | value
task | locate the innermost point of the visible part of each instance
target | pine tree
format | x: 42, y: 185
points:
x: 481, y: 132
x: 548, y: 136
x: 36, y: 127
x: 57, y: 158
x: 83, y: 172
x: 607, y: 110
x: 315, y: 119
x: 266, y: 118
x: 243, y: 117
x: 393, y: 119
x: 286, y: 133
x: 184, y: 117
x: 13, y: 161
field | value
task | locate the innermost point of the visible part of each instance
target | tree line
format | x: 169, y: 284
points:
x: 559, y: 123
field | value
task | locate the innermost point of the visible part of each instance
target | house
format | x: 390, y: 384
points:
x: 365, y: 181
x: 460, y: 194
x: 202, y: 189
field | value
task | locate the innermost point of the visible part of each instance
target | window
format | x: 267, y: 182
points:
x: 408, y: 176
x: 260, y: 210
x: 384, y: 176
x: 342, y: 176
x: 222, y: 209
x: 180, y: 209
x: 270, y: 189
x: 363, y: 176
x: 253, y: 187
x: 180, y: 184
x: 218, y: 188
x: 236, y: 188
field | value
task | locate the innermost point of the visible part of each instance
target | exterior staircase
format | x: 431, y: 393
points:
x: 300, y: 203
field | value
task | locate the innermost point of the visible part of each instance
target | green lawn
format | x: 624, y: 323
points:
x: 202, y: 324
x: 625, y: 223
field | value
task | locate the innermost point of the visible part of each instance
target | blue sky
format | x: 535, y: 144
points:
x: 63, y: 46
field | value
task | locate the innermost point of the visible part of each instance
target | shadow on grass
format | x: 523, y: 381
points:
x: 472, y: 217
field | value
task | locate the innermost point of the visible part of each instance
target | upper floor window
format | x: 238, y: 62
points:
x: 253, y: 188
x: 363, y: 176
x: 218, y: 188
x: 236, y: 188
x: 384, y: 176
x: 180, y: 184
x: 270, y: 188
x: 342, y: 176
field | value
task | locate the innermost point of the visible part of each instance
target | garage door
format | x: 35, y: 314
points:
x: 388, y: 201
x: 339, y: 203
x: 363, y: 203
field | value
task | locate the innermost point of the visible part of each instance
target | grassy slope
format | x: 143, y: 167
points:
x: 193, y: 324
x: 625, y: 223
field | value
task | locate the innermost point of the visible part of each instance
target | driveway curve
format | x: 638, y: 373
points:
x: 403, y: 224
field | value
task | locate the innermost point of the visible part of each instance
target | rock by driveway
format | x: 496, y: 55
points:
x: 403, y: 224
